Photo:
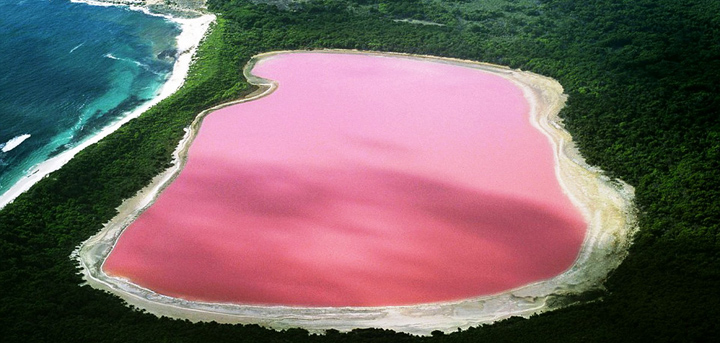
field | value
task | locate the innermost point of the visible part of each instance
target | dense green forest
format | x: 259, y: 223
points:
x: 642, y: 79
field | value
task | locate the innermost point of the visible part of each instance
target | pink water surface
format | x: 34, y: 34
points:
x: 361, y: 181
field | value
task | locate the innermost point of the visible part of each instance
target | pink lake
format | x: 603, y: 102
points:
x: 361, y: 181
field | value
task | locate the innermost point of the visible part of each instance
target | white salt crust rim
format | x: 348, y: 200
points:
x: 607, y: 205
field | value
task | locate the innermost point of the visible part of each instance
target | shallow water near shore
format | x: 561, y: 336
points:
x: 70, y: 70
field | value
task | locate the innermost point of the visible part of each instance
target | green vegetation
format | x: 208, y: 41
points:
x: 642, y: 78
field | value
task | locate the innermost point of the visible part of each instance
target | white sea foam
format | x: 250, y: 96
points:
x: 14, y: 142
x: 137, y: 63
x: 145, y: 66
x: 76, y: 47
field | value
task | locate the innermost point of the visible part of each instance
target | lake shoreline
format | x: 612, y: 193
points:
x: 607, y: 206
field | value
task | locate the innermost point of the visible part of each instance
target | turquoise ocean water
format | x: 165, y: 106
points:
x: 67, y: 70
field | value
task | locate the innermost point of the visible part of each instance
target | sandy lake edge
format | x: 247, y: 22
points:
x: 606, y: 205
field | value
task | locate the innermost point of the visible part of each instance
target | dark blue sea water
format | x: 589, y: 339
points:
x: 67, y: 70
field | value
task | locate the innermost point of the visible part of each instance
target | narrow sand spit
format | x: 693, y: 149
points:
x: 192, y: 32
x: 605, y: 204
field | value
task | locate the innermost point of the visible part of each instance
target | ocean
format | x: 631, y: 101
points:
x: 68, y: 70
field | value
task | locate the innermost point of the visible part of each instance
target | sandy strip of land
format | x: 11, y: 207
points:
x: 607, y: 206
x: 192, y: 32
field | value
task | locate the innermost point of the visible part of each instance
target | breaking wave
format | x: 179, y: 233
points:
x: 13, y: 142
